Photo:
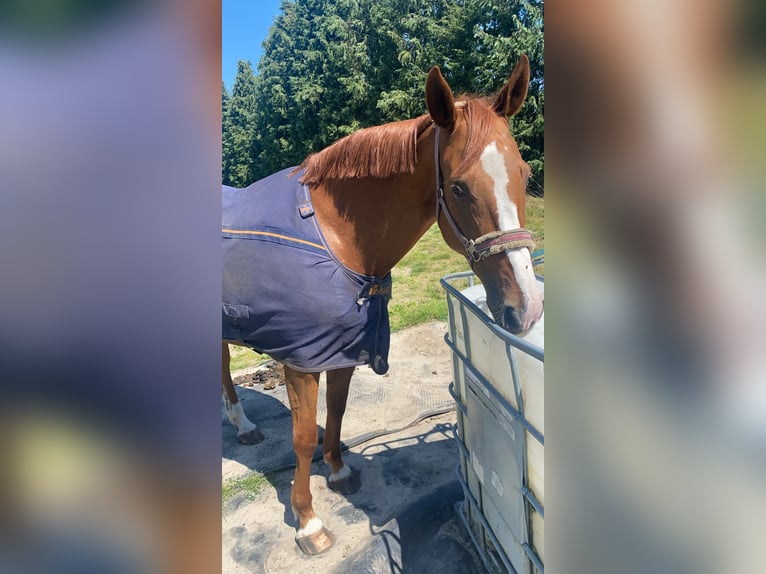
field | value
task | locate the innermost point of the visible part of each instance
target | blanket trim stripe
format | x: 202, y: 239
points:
x: 276, y: 235
x: 360, y: 338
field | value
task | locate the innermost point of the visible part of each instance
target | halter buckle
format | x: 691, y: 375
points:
x: 474, y: 254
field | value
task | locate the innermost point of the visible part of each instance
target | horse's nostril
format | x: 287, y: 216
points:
x: 511, y: 320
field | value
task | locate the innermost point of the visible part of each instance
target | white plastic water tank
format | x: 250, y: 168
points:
x: 488, y: 354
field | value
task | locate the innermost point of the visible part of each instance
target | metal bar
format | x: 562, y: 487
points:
x: 515, y: 378
x: 466, y: 331
x: 485, y: 524
x: 532, y: 555
x: 458, y: 402
x: 460, y: 443
x: 518, y: 342
x: 532, y: 499
x: 495, y: 394
x: 476, y: 543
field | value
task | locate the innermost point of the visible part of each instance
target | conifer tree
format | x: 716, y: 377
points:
x: 239, y: 165
x: 330, y: 67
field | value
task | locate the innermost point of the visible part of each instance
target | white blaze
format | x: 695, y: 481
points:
x: 508, y: 218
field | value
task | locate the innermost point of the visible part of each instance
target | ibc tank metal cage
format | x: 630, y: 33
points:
x: 498, y: 387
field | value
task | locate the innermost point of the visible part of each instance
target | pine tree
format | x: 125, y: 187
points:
x: 225, y: 134
x: 239, y: 165
x: 313, y: 80
x: 333, y: 66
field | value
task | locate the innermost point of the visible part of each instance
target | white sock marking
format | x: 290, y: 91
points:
x: 508, y: 218
x: 312, y: 527
x: 237, y: 417
x: 344, y: 472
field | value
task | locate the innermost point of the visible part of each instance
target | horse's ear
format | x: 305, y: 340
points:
x: 514, y: 92
x: 439, y: 99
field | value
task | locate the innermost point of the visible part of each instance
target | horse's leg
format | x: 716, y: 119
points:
x: 302, y: 389
x: 337, y: 393
x: 247, y: 432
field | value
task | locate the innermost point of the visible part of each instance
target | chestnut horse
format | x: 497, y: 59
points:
x: 374, y: 194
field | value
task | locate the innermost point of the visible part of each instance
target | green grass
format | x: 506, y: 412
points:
x: 242, y: 357
x: 536, y: 219
x: 248, y: 486
x: 417, y: 295
x: 536, y: 224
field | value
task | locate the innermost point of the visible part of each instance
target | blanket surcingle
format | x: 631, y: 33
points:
x: 284, y: 292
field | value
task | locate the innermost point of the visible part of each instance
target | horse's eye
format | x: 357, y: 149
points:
x: 458, y: 190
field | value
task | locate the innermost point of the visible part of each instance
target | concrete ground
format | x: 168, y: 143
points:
x: 402, y: 519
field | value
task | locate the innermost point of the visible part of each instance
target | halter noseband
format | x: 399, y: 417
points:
x: 488, y: 244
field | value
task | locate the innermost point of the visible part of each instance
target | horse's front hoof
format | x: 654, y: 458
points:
x: 347, y: 483
x: 251, y: 437
x: 316, y: 543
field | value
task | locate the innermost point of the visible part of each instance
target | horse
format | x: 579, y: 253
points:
x: 369, y: 197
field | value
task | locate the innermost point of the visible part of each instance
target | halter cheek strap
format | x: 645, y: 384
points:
x: 488, y: 244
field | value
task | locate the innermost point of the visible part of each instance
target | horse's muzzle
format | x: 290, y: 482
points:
x: 519, y: 323
x: 511, y: 320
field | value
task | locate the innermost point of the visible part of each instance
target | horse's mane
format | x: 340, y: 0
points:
x: 391, y: 149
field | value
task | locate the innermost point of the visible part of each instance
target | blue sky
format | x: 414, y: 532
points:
x: 245, y: 25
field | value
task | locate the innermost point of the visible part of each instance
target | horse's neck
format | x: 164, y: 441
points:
x: 370, y: 224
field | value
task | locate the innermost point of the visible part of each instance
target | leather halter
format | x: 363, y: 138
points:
x: 488, y: 244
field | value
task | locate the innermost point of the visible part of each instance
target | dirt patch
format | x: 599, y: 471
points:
x: 271, y: 375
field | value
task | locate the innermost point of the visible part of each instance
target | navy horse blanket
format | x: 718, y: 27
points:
x: 284, y: 292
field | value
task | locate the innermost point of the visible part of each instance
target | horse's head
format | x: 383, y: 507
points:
x: 483, y: 178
